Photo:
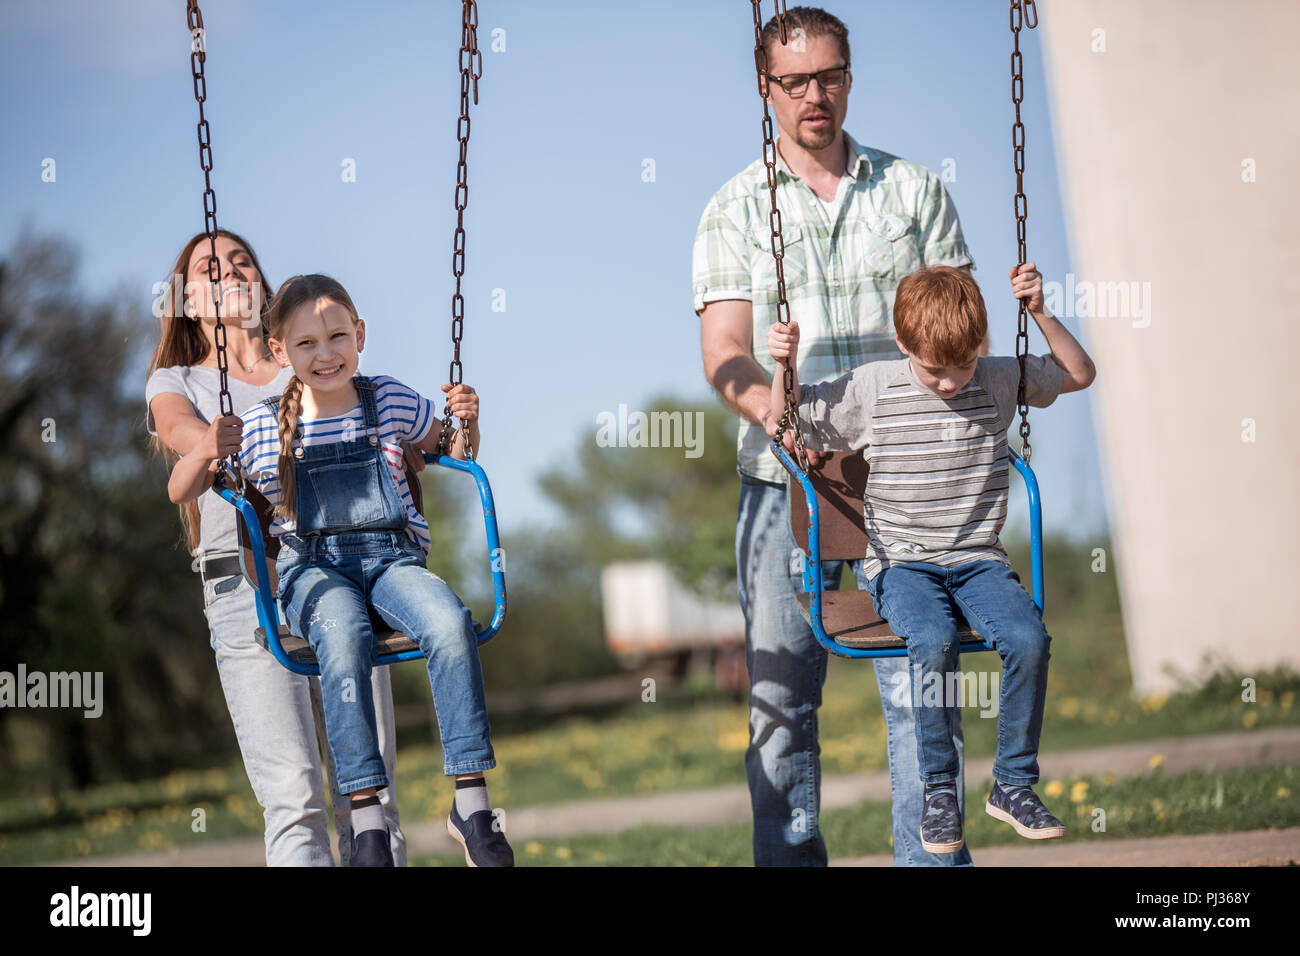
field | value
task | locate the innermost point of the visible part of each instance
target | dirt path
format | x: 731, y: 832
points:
x: 1273, y: 746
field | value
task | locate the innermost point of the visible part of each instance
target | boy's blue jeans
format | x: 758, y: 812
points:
x: 324, y: 587
x: 918, y: 600
x: 787, y: 668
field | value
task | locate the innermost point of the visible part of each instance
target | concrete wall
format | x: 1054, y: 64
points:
x: 1151, y: 135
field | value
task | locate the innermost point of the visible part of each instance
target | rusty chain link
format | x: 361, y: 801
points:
x: 471, y: 68
x: 198, y: 56
x: 1022, y: 11
x: 790, y: 416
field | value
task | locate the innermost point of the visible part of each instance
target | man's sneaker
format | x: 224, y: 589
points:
x: 941, y: 820
x: 370, y: 848
x: 1021, y: 807
x: 484, y: 844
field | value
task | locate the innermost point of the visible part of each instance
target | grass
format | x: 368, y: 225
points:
x: 1195, y: 802
x: 687, y: 739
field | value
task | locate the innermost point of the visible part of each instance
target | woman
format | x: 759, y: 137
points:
x: 277, y: 714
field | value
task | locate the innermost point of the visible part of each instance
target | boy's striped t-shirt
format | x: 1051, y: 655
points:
x: 937, y: 482
x: 404, y: 415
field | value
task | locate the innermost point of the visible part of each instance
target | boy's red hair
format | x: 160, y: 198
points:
x: 939, y: 315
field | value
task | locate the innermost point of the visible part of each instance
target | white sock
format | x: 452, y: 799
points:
x: 367, y: 814
x: 471, y: 796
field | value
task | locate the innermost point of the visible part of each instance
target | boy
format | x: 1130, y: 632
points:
x: 932, y: 427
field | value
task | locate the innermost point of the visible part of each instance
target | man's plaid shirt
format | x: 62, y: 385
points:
x: 891, y: 217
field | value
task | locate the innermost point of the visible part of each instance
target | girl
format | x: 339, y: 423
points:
x: 280, y: 732
x: 326, y: 455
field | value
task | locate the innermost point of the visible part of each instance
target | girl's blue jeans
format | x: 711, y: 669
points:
x: 325, y: 585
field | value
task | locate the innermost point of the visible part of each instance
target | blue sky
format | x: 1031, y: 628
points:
x: 595, y: 262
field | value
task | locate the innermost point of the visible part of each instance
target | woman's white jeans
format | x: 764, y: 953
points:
x: 281, y: 731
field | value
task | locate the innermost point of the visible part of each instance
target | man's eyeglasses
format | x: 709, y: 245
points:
x: 796, y: 84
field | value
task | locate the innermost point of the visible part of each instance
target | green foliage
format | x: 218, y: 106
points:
x: 684, y: 508
x: 92, y: 576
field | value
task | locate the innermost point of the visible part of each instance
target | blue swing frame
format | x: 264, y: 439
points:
x: 268, y: 612
x: 813, y: 583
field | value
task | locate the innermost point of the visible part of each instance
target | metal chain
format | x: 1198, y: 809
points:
x: 471, y: 68
x: 1021, y: 11
x: 198, y: 56
x: 790, y: 416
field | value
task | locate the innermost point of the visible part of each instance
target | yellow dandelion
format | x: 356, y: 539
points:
x: 1108, y: 780
x: 533, y: 848
x: 1068, y: 707
x: 1154, y: 702
x: 1054, y: 789
x: 1157, y: 760
x: 564, y: 853
x: 1250, y: 718
x: 1079, y: 791
x: 1283, y: 793
x: 598, y: 857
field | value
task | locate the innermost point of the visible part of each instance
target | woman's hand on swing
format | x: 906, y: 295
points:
x: 222, y: 439
x: 195, y: 472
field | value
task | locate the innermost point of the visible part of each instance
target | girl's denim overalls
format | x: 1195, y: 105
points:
x: 350, y: 549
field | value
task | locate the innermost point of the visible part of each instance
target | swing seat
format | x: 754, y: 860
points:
x: 846, y: 622
x: 850, y: 618
x: 300, y: 652
x: 257, y: 556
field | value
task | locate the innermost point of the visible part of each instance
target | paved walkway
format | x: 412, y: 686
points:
x: 1272, y: 746
x: 1243, y: 848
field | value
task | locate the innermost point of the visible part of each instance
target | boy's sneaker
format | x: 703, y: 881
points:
x: 941, y: 819
x: 484, y: 845
x: 1021, y: 807
x: 371, y: 848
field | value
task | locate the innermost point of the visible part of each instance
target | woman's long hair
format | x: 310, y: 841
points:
x: 183, y: 343
x: 296, y: 291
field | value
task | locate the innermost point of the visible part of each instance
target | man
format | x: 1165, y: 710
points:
x: 855, y: 220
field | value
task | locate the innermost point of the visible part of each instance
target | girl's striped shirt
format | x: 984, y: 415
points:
x: 404, y: 415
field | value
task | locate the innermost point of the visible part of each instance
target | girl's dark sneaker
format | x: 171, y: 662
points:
x: 485, y: 845
x: 941, y: 819
x: 1021, y: 807
x: 371, y: 848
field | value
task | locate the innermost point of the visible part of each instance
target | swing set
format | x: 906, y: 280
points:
x: 257, y: 544
x: 826, y: 502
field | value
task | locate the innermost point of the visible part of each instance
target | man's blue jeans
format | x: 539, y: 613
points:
x: 324, y: 588
x: 787, y: 669
x: 919, y: 600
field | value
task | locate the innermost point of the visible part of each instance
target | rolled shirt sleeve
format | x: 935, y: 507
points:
x: 720, y: 266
